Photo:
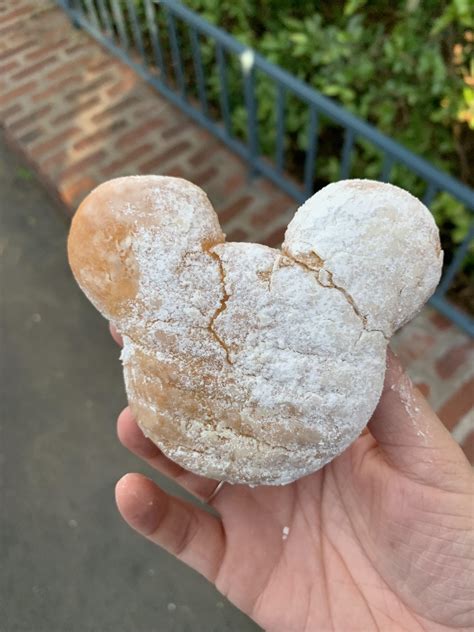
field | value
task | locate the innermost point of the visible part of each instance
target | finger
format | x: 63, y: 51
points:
x: 115, y: 334
x: 189, y: 533
x: 410, y: 434
x: 134, y: 440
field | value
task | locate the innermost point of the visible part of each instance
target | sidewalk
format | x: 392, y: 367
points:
x: 80, y: 117
x: 61, y: 535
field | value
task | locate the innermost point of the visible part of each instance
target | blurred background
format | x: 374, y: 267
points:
x: 261, y: 103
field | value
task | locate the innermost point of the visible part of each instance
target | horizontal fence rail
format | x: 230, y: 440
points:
x: 117, y: 25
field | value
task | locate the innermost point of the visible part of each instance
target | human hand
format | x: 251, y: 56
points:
x: 382, y: 538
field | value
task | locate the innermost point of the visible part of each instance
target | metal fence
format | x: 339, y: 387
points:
x: 116, y: 25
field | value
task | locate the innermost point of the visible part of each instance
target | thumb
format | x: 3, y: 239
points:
x: 412, y: 437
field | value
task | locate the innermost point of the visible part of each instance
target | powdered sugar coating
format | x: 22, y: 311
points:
x: 242, y: 363
x: 376, y: 241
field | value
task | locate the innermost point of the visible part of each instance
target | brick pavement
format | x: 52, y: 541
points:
x: 80, y: 117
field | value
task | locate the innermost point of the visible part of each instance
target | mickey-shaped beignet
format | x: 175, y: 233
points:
x: 245, y: 363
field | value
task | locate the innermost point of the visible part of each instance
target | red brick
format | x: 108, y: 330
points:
x: 457, y: 405
x: 19, y: 91
x: 263, y: 216
x: 124, y: 85
x: 78, y: 189
x: 89, y: 86
x: 117, y: 108
x: 11, y: 28
x: 10, y: 111
x: 236, y: 181
x: 468, y: 447
x: 148, y: 107
x: 33, y: 69
x: 424, y: 389
x: 75, y: 111
x: 176, y: 130
x: 176, y: 172
x: 15, y: 14
x: 271, y: 211
x: 100, y: 135
x: 54, y: 162
x: 126, y: 159
x: 228, y: 212
x: 203, y: 135
x: 10, y: 52
x: 31, y: 136
x: 276, y: 237
x: 76, y: 167
x: 45, y: 50
x: 53, y: 90
x: 453, y: 359
x: 10, y: 65
x: 54, y: 141
x: 164, y: 156
x: 414, y: 346
x: 440, y: 321
x: 30, y: 118
x: 203, y: 177
x: 100, y: 64
x: 65, y: 69
x: 14, y: 29
x: 238, y: 234
x: 137, y: 133
x: 268, y: 186
x: 202, y: 154
x: 75, y: 47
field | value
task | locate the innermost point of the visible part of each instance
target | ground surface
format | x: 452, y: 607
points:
x: 69, y: 563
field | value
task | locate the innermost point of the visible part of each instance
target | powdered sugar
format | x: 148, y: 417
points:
x: 242, y: 363
x: 377, y: 241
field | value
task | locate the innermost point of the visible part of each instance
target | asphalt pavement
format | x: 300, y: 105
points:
x: 68, y: 561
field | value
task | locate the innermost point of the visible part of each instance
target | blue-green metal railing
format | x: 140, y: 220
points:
x: 107, y: 21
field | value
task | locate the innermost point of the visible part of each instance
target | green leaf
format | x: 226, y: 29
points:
x: 24, y: 174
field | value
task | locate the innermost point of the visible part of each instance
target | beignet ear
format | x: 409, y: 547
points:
x: 108, y: 256
x: 376, y: 242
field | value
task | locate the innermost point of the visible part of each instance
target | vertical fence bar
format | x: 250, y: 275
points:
x: 311, y: 150
x: 198, y: 69
x: 137, y: 35
x: 105, y: 18
x: 247, y: 61
x: 455, y: 264
x: 119, y: 21
x: 155, y: 39
x: 75, y: 5
x: 280, y: 128
x: 429, y: 195
x: 386, y: 168
x: 92, y: 14
x: 175, y: 54
x: 347, y: 154
x: 224, y: 90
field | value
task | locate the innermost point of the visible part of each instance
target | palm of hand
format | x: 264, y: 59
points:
x: 366, y: 549
x: 380, y: 539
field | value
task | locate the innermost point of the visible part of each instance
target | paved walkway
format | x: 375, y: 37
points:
x: 80, y: 117
x: 62, y: 539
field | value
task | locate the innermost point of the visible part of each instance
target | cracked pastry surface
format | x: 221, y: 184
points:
x: 241, y: 362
